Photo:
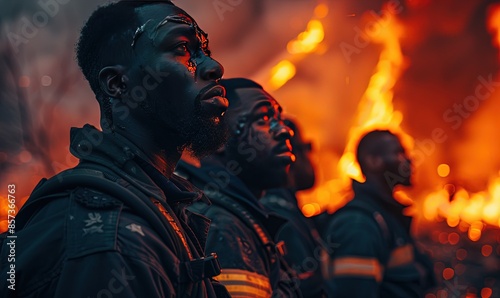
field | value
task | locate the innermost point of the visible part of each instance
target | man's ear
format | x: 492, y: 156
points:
x: 113, y: 81
x: 374, y: 163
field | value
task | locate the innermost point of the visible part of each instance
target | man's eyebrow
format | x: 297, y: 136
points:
x: 176, y: 32
x: 263, y: 104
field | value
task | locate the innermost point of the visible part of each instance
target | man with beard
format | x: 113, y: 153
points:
x: 257, y: 157
x: 116, y: 224
x: 305, y: 249
x: 376, y: 255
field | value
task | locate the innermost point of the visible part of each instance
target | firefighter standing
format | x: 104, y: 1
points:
x: 376, y: 256
x: 116, y: 225
x: 305, y: 250
x: 256, y: 157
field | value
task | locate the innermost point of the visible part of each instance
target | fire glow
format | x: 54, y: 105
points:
x: 375, y: 111
x: 472, y: 212
x: 456, y: 205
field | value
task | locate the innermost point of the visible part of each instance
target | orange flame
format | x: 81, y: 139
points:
x: 375, y: 111
x: 469, y: 211
x: 494, y: 23
x: 306, y: 42
x: 473, y: 209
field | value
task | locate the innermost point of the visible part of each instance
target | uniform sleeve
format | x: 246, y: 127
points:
x: 243, y: 268
x: 110, y: 274
x: 355, y: 266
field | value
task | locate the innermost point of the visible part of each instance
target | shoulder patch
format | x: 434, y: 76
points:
x: 92, y: 223
x: 95, y: 200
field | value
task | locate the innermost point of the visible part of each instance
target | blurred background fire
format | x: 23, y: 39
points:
x: 428, y: 70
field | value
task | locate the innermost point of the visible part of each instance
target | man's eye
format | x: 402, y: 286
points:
x: 181, y: 49
x: 263, y: 119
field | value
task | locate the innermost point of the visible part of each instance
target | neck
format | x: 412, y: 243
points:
x: 250, y: 180
x: 382, y: 185
x: 162, y: 152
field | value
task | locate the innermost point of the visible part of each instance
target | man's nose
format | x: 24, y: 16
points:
x: 282, y: 131
x: 209, y: 69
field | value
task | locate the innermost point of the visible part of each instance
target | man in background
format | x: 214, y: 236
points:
x: 376, y: 256
x: 256, y: 158
x: 305, y: 249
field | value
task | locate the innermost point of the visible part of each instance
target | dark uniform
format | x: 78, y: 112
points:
x: 376, y: 256
x: 305, y: 250
x: 241, y: 233
x: 114, y: 226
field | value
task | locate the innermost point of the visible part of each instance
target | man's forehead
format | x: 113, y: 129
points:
x: 390, y: 140
x: 255, y: 98
x: 168, y: 16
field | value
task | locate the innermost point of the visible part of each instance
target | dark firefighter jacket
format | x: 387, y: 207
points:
x: 375, y: 255
x: 305, y: 249
x: 114, y: 226
x: 241, y: 233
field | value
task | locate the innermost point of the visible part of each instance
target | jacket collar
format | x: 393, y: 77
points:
x: 370, y: 193
x: 113, y: 151
x: 212, y: 176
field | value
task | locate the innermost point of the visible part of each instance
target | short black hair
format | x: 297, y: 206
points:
x: 231, y: 85
x: 370, y: 144
x: 106, y: 39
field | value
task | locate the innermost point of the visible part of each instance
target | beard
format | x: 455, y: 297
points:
x: 203, y: 133
x: 256, y: 168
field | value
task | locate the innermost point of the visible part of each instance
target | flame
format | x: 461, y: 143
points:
x: 474, y: 209
x: 306, y: 42
x: 281, y: 73
x: 375, y: 111
x: 470, y: 211
x: 494, y: 23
